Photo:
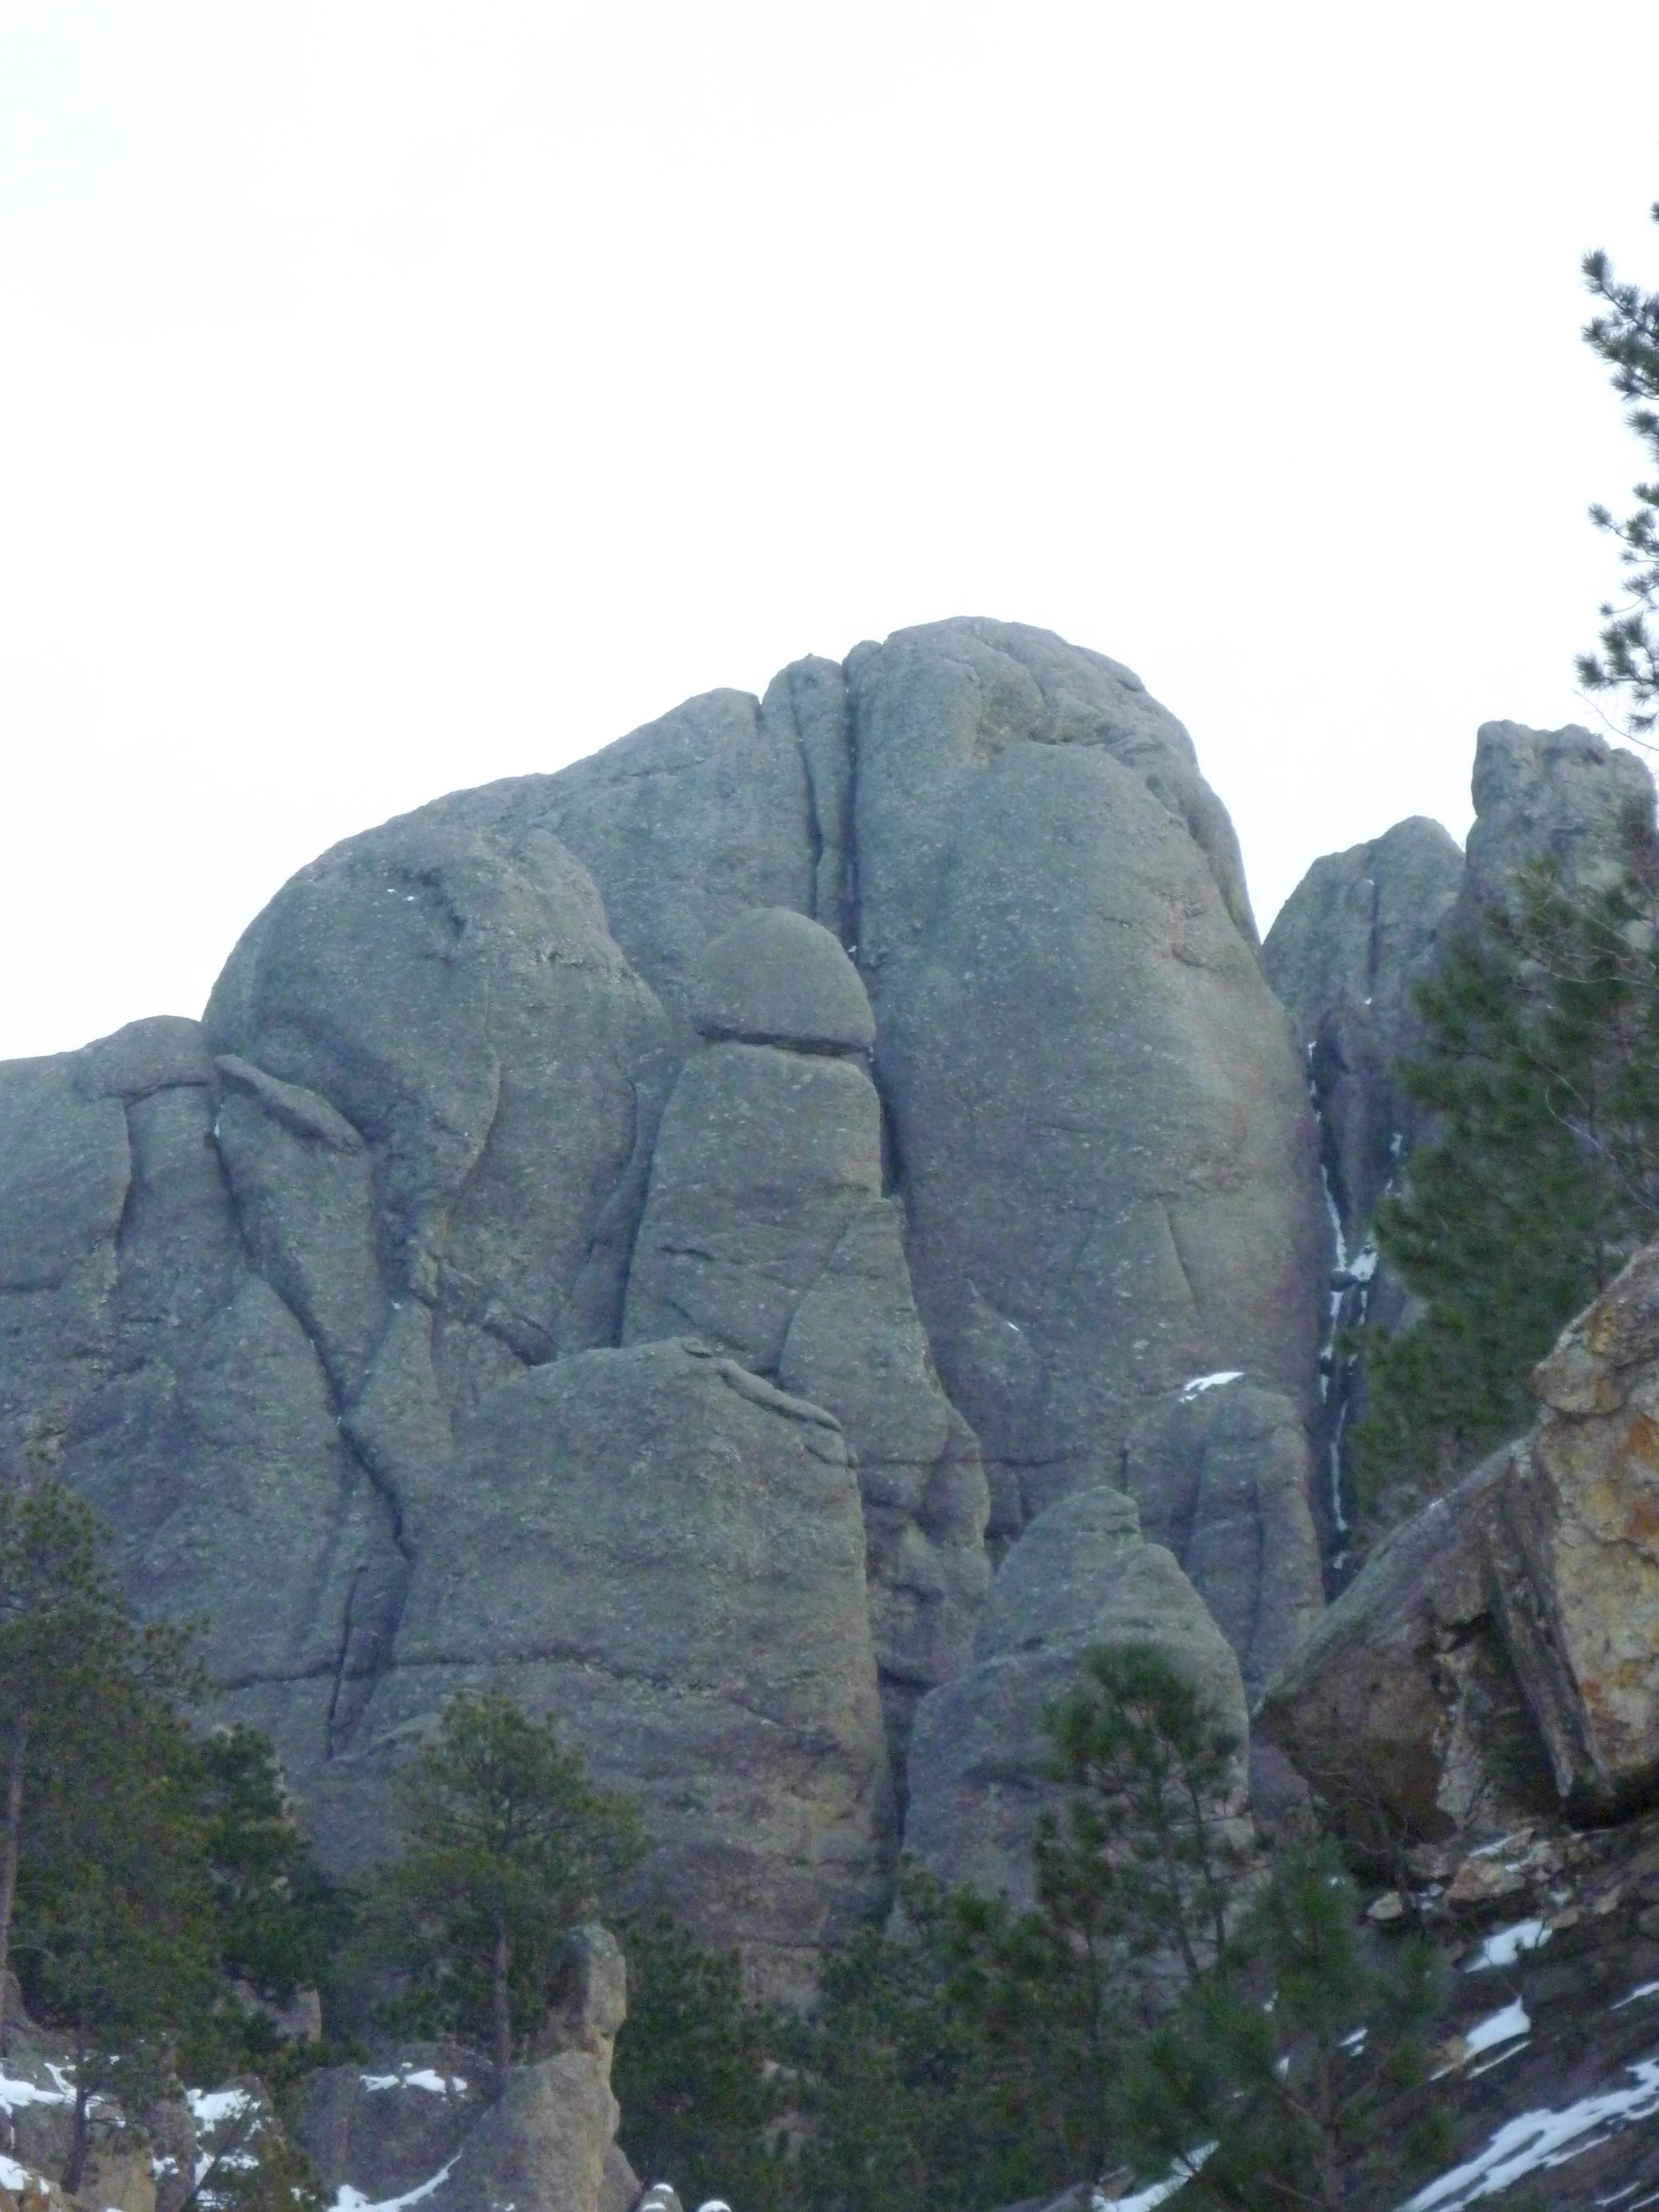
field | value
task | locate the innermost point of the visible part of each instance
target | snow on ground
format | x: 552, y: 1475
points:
x: 1499, y: 2027
x: 208, y: 2107
x: 13, y: 2095
x: 1505, y: 1947
x: 1535, y: 2141
x: 353, y: 2200
x: 1200, y: 1383
x: 1148, y: 2199
x: 421, y: 2078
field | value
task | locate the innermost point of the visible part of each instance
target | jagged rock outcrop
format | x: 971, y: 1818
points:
x: 543, y: 2145
x: 1565, y: 796
x: 1081, y: 1575
x: 901, y: 1037
x: 1507, y: 1639
x: 1347, y: 955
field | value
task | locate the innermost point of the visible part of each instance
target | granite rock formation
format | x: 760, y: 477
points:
x: 649, y: 1236
x: 1082, y: 1575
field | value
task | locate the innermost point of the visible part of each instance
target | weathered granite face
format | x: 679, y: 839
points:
x: 765, y: 1233
x: 1582, y: 1614
x: 901, y: 1037
x: 1562, y: 795
x: 1508, y: 1636
x: 1105, y: 1143
x: 1222, y: 1473
x: 666, y: 1553
x: 1082, y: 1575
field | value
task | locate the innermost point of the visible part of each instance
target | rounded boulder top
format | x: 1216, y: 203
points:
x: 776, y: 978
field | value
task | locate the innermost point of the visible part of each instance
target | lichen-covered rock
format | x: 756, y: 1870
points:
x: 1507, y: 1636
x: 1081, y: 1575
x: 1401, y: 1709
x: 1581, y: 1599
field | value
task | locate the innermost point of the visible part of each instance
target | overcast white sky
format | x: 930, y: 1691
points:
x: 393, y: 397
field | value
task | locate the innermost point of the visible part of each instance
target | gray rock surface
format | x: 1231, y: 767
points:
x: 764, y: 1233
x: 1402, y: 1709
x: 1498, y: 1651
x: 667, y: 1554
x: 1082, y: 1574
x: 1222, y: 1476
x: 457, y: 998
x: 1102, y: 1135
x: 684, y: 825
x: 1345, y: 955
x: 543, y: 2148
x: 855, y: 1346
x: 384, y: 2130
x: 763, y: 1158
x: 272, y: 1288
x: 776, y: 978
x: 1563, y: 795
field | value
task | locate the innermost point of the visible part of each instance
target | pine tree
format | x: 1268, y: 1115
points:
x: 1540, y: 1173
x: 281, y: 1920
x: 1283, y: 2078
x: 974, y: 2059
x: 1627, y: 337
x: 74, y: 1670
x: 115, y: 1927
x: 507, y: 1847
x: 931, y: 2076
x: 702, y: 2098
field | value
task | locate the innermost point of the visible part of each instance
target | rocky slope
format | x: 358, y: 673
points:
x: 651, y: 1237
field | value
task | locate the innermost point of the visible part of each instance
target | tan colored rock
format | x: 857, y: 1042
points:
x: 1401, y: 1707
x: 1581, y: 1618
x: 21, y: 2190
x: 1507, y: 1639
x: 118, y: 2180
